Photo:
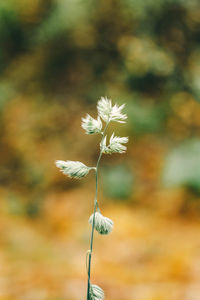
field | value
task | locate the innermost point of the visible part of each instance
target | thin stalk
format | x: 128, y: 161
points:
x: 93, y: 221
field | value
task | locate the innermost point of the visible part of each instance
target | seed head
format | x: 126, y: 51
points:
x: 115, y: 145
x: 102, y: 224
x: 73, y: 169
x: 110, y: 113
x: 90, y: 125
x: 96, y: 293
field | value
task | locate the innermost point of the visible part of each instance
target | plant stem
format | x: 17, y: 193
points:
x: 93, y: 221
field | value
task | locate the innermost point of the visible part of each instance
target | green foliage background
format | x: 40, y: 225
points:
x: 57, y: 58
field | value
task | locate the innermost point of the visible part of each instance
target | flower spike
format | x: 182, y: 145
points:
x: 73, y: 169
x: 90, y: 125
x: 110, y: 113
x: 76, y: 169
x: 115, y: 145
x: 96, y: 293
x: 102, y: 224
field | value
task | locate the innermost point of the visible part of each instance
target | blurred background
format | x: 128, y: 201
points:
x: 57, y: 58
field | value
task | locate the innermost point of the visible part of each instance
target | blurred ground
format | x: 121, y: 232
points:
x: 57, y: 58
x: 147, y: 256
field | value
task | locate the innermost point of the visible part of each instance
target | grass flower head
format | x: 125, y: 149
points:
x: 73, y: 169
x: 115, y: 144
x: 96, y: 293
x: 110, y: 113
x: 102, y: 224
x: 91, y: 125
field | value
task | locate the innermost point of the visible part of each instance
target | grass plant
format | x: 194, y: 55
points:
x: 75, y: 169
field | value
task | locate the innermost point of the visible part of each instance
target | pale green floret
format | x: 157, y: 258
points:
x: 102, y: 224
x: 116, y: 114
x: 104, y: 107
x: 103, y: 146
x: 110, y: 113
x: 115, y: 144
x: 96, y: 293
x: 73, y: 169
x: 91, y: 125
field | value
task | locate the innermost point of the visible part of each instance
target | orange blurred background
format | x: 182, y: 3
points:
x: 57, y: 58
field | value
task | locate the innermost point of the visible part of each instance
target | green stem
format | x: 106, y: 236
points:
x: 93, y: 221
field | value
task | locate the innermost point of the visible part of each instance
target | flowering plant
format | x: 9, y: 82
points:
x: 75, y: 169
